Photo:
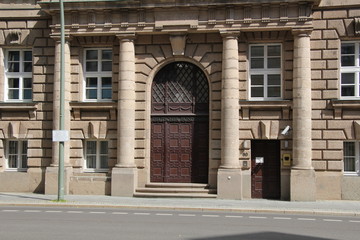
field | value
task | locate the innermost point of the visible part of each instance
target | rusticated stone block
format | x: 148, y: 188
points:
x: 333, y: 14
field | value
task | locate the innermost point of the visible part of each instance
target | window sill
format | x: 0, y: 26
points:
x: 78, y: 107
x: 339, y: 105
x: 283, y: 105
x: 30, y: 107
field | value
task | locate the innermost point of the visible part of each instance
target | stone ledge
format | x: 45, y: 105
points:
x: 284, y: 105
x: 78, y: 107
x: 339, y: 105
x: 30, y: 107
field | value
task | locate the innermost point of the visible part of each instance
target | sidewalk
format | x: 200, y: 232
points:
x: 348, y: 208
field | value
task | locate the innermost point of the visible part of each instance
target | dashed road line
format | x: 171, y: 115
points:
x: 233, y: 216
x: 140, y: 213
x: 186, y: 215
x: 50, y: 211
x: 164, y: 214
x: 32, y: 211
x: 332, y: 220
x: 282, y: 218
x: 74, y: 212
x: 97, y: 212
x: 208, y: 215
x: 8, y: 210
x: 120, y: 213
x: 257, y: 217
x: 306, y: 219
x: 354, y: 221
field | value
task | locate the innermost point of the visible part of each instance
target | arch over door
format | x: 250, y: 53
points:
x: 180, y: 125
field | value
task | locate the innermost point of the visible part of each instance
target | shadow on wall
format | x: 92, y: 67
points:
x: 263, y: 236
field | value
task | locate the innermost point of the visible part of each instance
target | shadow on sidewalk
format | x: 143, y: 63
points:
x: 19, y: 196
x: 263, y: 236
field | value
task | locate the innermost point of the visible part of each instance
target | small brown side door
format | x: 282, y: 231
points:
x: 265, y: 169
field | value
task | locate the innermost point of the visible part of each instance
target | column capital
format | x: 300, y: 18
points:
x: 229, y: 33
x: 126, y: 36
x: 302, y: 32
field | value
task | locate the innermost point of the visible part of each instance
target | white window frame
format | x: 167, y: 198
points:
x: 351, y: 69
x: 21, y: 75
x: 19, y: 155
x: 265, y: 72
x: 98, y: 75
x: 98, y: 154
x: 357, y: 157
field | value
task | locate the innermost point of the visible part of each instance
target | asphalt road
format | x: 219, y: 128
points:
x: 39, y: 223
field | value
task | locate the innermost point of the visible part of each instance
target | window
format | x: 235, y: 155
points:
x: 351, y: 158
x: 96, y: 155
x: 18, y: 74
x: 350, y: 70
x: 98, y: 74
x: 17, y: 155
x: 265, y: 71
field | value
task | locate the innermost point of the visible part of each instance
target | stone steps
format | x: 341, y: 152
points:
x: 176, y: 190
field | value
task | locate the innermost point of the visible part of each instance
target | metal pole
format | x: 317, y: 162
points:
x: 62, y: 102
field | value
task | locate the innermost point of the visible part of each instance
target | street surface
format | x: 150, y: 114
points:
x: 45, y: 223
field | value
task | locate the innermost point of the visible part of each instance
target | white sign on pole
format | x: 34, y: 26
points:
x: 60, y: 135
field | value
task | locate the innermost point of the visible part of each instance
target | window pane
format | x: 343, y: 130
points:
x: 91, y: 162
x: 103, y: 147
x: 257, y: 63
x: 28, y: 56
x: 274, y: 50
x: 347, y: 91
x: 274, y: 79
x: 13, y: 94
x: 348, y: 48
x: 27, y: 82
x: 107, y: 54
x: 91, y: 94
x: 106, y: 94
x: 24, y: 147
x: 13, y: 161
x: 91, y: 147
x: 274, y: 63
x: 257, y: 92
x: 91, y: 82
x: 347, y: 61
x: 14, y: 67
x: 349, y: 156
x: 24, y: 154
x: 13, y: 82
x: 91, y: 66
x: 104, y: 162
x: 257, y: 80
x: 347, y: 78
x: 106, y: 66
x: 91, y: 55
x: 106, y: 82
x: 28, y: 67
x: 13, y: 147
x: 257, y: 51
x: 27, y: 94
x: 274, y: 91
x: 14, y: 56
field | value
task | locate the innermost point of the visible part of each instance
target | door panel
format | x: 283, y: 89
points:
x: 265, y: 177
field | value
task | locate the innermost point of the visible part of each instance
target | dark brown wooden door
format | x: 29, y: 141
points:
x: 265, y: 169
x: 179, y: 125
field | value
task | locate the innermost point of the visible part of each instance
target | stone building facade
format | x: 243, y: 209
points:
x: 245, y: 99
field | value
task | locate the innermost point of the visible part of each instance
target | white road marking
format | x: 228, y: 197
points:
x: 210, y: 215
x: 139, y: 213
x: 354, y: 221
x: 120, y: 213
x: 53, y: 211
x: 32, y: 211
x: 6, y: 210
x: 282, y: 218
x: 187, y: 215
x: 306, y: 219
x: 74, y: 212
x: 164, y: 214
x: 97, y: 212
x: 257, y: 217
x: 233, y: 216
x: 332, y: 220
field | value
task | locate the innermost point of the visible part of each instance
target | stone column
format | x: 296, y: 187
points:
x: 302, y: 182
x: 51, y: 177
x: 229, y: 173
x: 124, y: 174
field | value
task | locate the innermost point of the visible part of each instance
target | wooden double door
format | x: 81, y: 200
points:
x: 265, y: 169
x: 179, y: 125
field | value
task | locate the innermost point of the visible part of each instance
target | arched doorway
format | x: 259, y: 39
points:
x: 180, y: 125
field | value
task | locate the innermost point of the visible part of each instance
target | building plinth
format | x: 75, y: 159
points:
x: 123, y: 181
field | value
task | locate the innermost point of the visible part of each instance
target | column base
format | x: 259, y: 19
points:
x: 303, y: 185
x: 229, y: 184
x: 51, y: 180
x: 123, y: 181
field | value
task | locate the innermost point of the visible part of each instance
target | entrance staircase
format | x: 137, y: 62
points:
x: 176, y: 190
